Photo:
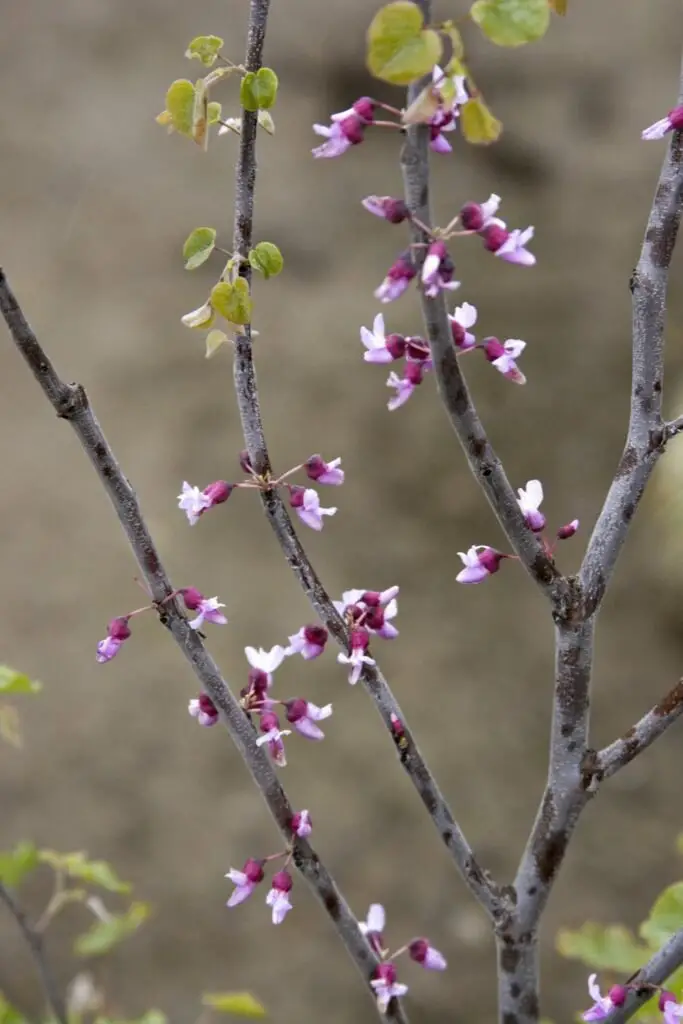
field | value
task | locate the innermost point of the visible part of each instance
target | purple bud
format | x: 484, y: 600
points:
x: 386, y: 972
x: 269, y: 720
x: 258, y: 682
x: 417, y: 950
x: 472, y: 217
x: 567, y: 531
x: 192, y: 598
x: 372, y: 598
x: 665, y: 997
x: 315, y: 467
x: 296, y: 496
x: 417, y: 348
x: 353, y: 129
x: 491, y: 559
x: 301, y: 823
x: 118, y: 629
x: 360, y: 639
x: 282, y: 881
x: 494, y: 236
x: 396, y: 725
x: 365, y: 108
x: 296, y: 709
x: 396, y: 345
x: 676, y: 118
x: 375, y: 619
x: 617, y: 995
x: 315, y: 635
x: 253, y: 869
x: 414, y: 372
x: 492, y: 349
x: 218, y: 492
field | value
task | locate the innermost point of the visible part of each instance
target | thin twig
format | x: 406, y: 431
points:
x: 70, y: 402
x: 35, y: 942
x: 246, y: 389
x: 642, y: 734
x: 655, y: 972
x: 647, y: 435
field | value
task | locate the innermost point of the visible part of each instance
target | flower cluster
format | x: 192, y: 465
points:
x: 668, y: 1005
x: 385, y: 981
x: 366, y: 612
x: 304, y: 500
x: 481, y: 561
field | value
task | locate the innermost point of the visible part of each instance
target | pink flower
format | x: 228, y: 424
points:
x: 403, y: 387
x: 504, y: 357
x: 480, y: 561
x: 208, y: 608
x: 303, y: 715
x: 509, y: 245
x: 278, y: 897
x: 245, y: 881
x: 301, y: 824
x: 477, y: 216
x: 423, y: 953
x: 442, y: 121
x: 373, y: 927
x: 264, y: 663
x: 393, y: 210
x: 567, y: 531
x: 377, y: 620
x: 381, y: 348
x: 529, y: 502
x: 672, y: 1010
x: 463, y: 317
x: 272, y: 735
x: 203, y: 709
x: 324, y: 472
x: 359, y: 601
x: 399, y: 276
x: 306, y: 503
x: 309, y: 642
x: 437, y: 270
x: 357, y: 658
x: 386, y: 987
x: 603, y: 1005
x: 347, y: 129
x: 672, y: 122
x: 117, y: 631
x: 194, y: 502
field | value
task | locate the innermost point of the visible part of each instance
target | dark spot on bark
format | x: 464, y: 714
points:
x: 532, y: 890
x: 331, y: 901
x: 629, y: 509
x: 549, y: 856
x: 571, y: 747
x: 509, y: 959
x: 657, y: 386
x: 424, y: 195
x: 664, y: 241
x: 510, y: 1018
x: 99, y: 450
x: 543, y: 569
x: 528, y: 1004
x: 476, y: 445
x: 151, y: 561
x: 629, y: 461
x: 646, y: 404
x: 590, y: 769
x: 567, y: 729
x: 651, y: 235
x: 429, y: 800
x: 514, y: 990
x: 672, y: 701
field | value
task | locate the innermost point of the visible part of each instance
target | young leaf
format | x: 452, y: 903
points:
x: 205, y: 49
x: 477, y: 123
x: 203, y: 316
x: 266, y: 122
x: 399, y: 48
x: 200, y: 115
x: 239, y: 1004
x: 258, y: 91
x: 16, y: 682
x: 198, y: 246
x: 666, y: 916
x: 180, y: 101
x: 17, y: 863
x: 77, y: 865
x: 232, y: 301
x: 611, y: 948
x: 214, y: 112
x: 105, y: 934
x: 214, y: 340
x: 511, y: 22
x: 267, y: 259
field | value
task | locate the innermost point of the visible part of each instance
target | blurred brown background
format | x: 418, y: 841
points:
x: 96, y: 201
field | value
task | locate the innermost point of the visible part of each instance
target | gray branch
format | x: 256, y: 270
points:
x: 642, y: 734
x: 647, y: 434
x: 246, y: 389
x: 655, y: 972
x: 70, y: 402
x: 35, y: 942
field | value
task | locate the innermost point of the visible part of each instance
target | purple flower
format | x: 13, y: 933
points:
x: 423, y: 953
x: 386, y: 987
x: 264, y: 663
x: 373, y: 927
x: 671, y: 1009
x: 301, y: 824
x: 442, y: 121
x: 303, y: 715
x: 118, y: 630
x: 603, y: 1005
x: 360, y: 639
x: 203, y: 709
x: 381, y: 348
x: 437, y: 270
x: 504, y: 357
x: 245, y: 881
x: 567, y: 531
x: 278, y: 897
x: 194, y: 502
x: 413, y: 375
x: 529, y: 502
x: 306, y: 503
x: 347, y: 129
x: 272, y: 735
x: 393, y: 210
x: 509, y: 245
x: 377, y: 620
x: 208, y: 608
x: 309, y: 642
x: 672, y: 122
x: 399, y: 276
x: 480, y: 561
x: 463, y: 317
x: 324, y: 472
x: 477, y: 216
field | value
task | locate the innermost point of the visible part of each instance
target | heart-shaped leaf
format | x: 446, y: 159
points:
x: 399, y: 48
x: 511, y: 22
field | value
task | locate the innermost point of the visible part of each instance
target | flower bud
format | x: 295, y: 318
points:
x: 118, y: 629
x: 617, y: 995
x: 472, y: 217
x: 192, y: 598
x: 567, y: 531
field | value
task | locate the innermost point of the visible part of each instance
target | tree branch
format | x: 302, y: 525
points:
x: 642, y: 734
x: 647, y: 435
x: 35, y: 942
x: 246, y: 389
x: 655, y: 972
x: 70, y: 402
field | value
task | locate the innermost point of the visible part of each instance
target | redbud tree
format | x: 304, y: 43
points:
x: 438, y: 109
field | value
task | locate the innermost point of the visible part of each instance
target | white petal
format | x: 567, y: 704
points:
x: 376, y: 918
x: 466, y: 315
x: 514, y: 347
x: 378, y: 327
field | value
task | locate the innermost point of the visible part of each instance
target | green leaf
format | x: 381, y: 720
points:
x: 205, y: 49
x: 198, y: 246
x: 17, y: 863
x: 8, y: 1014
x: 258, y: 91
x: 180, y: 101
x: 203, y: 316
x: 239, y: 1004
x: 611, y: 948
x: 214, y: 340
x: 94, y: 872
x: 267, y: 259
x: 16, y: 682
x: 200, y: 115
x: 399, y: 48
x: 477, y: 123
x: 666, y: 916
x: 214, y: 112
x: 105, y: 934
x: 511, y: 22
x: 232, y: 301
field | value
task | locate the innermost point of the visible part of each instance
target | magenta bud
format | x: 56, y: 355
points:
x: 417, y: 348
x: 269, y: 720
x: 396, y: 345
x: 403, y: 268
x: 567, y: 531
x: 492, y: 349
x: 665, y: 997
x: 414, y: 372
x: 353, y: 129
x: 118, y: 629
x: 245, y: 463
x: 282, y: 881
x: 676, y: 118
x: 315, y: 467
x: 218, y: 492
x: 360, y: 639
x: 375, y: 618
x: 396, y: 725
x: 258, y: 682
x: 315, y: 635
x: 491, y: 559
x: 458, y: 332
x: 387, y: 973
x: 301, y: 823
x: 371, y: 598
x: 494, y: 236
x: 355, y: 611
x: 472, y: 217
x: 365, y: 108
x: 418, y: 949
x: 253, y: 869
x: 617, y: 995
x: 192, y: 598
x: 396, y: 211
x: 296, y: 496
x: 295, y: 709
